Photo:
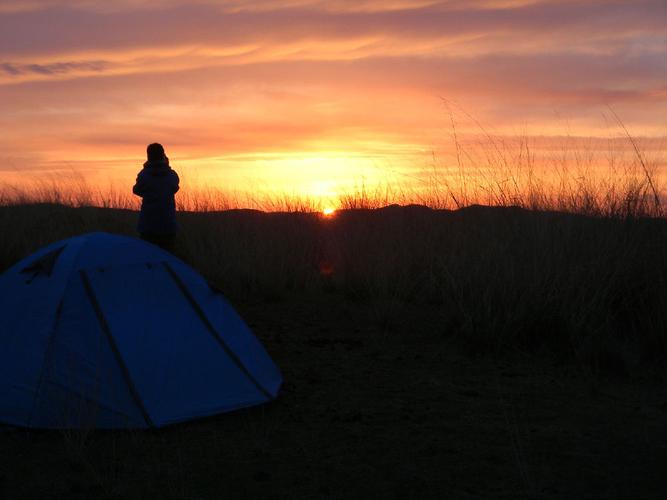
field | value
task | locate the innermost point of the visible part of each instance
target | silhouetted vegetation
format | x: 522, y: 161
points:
x: 587, y: 288
x: 424, y: 346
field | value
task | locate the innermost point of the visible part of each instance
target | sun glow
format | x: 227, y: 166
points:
x: 328, y: 211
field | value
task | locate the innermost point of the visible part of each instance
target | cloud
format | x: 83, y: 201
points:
x: 256, y: 77
x: 53, y: 69
x: 550, y: 25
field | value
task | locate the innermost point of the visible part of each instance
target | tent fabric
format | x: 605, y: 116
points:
x: 107, y: 331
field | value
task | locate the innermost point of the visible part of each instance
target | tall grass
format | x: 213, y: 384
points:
x: 570, y: 260
x: 587, y: 288
x: 484, y: 168
x: 613, y: 178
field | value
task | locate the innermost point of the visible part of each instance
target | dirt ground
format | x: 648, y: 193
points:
x: 368, y: 411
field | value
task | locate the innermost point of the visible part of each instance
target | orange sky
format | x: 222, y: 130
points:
x: 309, y: 96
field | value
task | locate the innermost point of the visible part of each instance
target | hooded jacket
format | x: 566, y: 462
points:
x: 156, y: 184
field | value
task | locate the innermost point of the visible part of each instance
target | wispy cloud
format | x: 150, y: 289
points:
x: 252, y: 76
x: 53, y: 69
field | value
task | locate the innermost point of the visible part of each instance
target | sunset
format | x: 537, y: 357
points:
x: 333, y: 249
x: 309, y: 97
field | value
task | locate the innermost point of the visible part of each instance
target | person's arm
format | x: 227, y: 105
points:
x: 140, y: 186
x: 176, y: 181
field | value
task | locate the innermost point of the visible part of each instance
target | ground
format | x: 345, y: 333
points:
x: 374, y: 410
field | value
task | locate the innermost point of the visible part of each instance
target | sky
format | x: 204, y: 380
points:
x: 309, y: 96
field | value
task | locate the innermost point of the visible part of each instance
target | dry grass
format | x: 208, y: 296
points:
x: 583, y: 287
x: 568, y: 259
x: 572, y: 265
x: 615, y: 178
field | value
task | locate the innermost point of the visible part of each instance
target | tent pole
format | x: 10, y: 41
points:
x: 114, y: 347
x: 211, y: 329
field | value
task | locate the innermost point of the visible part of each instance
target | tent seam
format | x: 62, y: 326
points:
x: 114, y: 347
x: 52, y: 336
x: 211, y: 329
x: 47, y: 356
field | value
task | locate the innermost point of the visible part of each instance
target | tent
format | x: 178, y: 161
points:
x: 107, y: 331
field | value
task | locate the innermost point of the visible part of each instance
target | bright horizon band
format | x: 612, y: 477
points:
x: 311, y: 100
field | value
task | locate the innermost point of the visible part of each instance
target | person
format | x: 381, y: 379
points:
x: 157, y: 183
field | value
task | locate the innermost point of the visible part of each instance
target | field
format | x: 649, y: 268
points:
x: 445, y: 221
x: 473, y: 353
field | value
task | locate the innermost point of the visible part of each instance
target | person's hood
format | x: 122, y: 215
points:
x: 158, y: 167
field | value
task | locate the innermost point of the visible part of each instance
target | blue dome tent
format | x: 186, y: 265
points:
x: 107, y: 331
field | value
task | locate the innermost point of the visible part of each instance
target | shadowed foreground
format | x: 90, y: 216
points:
x: 473, y: 354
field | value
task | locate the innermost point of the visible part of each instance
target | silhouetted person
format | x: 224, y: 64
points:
x: 156, y: 184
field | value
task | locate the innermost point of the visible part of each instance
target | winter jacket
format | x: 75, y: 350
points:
x: 156, y: 184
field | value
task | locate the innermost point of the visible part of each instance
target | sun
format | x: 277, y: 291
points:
x: 328, y: 211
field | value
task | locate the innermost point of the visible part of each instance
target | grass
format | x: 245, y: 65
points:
x: 586, y: 288
x: 619, y: 177
x: 565, y: 254
x: 370, y: 413
x: 363, y: 309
